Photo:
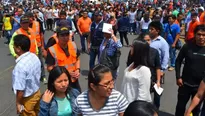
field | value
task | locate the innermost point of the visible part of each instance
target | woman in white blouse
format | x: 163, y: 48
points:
x: 137, y: 76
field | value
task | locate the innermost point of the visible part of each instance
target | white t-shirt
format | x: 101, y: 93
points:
x: 55, y: 12
x: 136, y: 84
x: 49, y: 14
x: 144, y: 24
x: 132, y: 16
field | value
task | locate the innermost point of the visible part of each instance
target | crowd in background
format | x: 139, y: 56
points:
x: 168, y: 35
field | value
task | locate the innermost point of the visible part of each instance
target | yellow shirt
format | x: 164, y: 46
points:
x: 7, y: 23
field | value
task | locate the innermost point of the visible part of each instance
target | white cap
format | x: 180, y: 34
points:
x: 106, y: 28
x: 201, y: 8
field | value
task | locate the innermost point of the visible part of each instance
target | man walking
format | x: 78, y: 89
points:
x: 26, y: 78
x: 83, y: 26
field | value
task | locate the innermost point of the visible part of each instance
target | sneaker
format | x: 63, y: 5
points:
x: 170, y: 68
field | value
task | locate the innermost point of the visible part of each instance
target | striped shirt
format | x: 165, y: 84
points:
x: 115, y: 104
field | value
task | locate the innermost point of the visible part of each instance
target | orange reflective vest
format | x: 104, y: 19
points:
x: 192, y: 26
x: 31, y: 36
x: 202, y: 18
x: 62, y: 60
x: 36, y: 29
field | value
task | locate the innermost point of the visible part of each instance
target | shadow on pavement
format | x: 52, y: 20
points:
x: 85, y: 72
x: 161, y: 113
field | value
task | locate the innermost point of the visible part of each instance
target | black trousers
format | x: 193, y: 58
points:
x: 124, y: 35
x: 184, y: 94
x: 49, y: 23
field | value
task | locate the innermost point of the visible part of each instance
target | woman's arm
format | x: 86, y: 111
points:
x: 197, y: 98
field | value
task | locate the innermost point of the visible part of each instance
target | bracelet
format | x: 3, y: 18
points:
x: 113, y: 36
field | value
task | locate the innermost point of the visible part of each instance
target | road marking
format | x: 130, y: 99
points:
x: 5, y: 71
x: 12, y: 103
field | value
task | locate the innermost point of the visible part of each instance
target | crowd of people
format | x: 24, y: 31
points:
x: 160, y: 28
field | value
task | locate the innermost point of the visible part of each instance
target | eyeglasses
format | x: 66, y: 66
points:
x: 108, y: 85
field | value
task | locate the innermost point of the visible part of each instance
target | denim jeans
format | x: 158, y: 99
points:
x: 82, y: 41
x: 138, y: 27
x: 132, y: 27
x: 172, y: 53
x: 8, y: 35
x: 93, y: 54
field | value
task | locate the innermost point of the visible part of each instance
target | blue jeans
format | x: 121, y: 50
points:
x: 8, y: 35
x: 132, y: 27
x: 93, y: 54
x: 82, y: 41
x: 172, y: 53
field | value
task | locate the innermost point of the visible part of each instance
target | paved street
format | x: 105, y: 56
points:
x: 7, y: 98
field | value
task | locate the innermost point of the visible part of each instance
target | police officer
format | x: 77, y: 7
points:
x: 95, y: 38
x: 65, y: 53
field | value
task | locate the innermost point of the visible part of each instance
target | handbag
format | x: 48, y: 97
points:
x: 179, y: 43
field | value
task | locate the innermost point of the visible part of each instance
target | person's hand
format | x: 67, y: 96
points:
x: 88, y: 48
x: 80, y: 33
x: 162, y: 73
x: 44, y: 52
x: 187, y: 113
x: 158, y: 84
x: 77, y: 73
x: 112, y: 32
x: 180, y: 82
x: 47, y: 96
x: 16, y: 56
x: 19, y: 108
x: 173, y: 45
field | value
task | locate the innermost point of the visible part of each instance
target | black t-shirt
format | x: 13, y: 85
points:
x: 194, y: 67
x: 50, y: 60
x: 50, y: 43
x: 154, y: 63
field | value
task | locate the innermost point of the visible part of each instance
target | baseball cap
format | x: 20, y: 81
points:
x: 63, y: 30
x: 63, y: 22
x: 24, y: 19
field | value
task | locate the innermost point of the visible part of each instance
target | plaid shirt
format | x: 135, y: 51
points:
x: 26, y: 74
x: 111, y: 46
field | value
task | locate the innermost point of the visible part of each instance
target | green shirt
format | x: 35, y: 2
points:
x: 11, y: 46
x: 175, y: 12
x: 64, y: 107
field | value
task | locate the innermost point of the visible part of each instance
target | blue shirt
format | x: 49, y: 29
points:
x: 111, y: 46
x: 16, y: 25
x: 162, y: 47
x: 175, y: 29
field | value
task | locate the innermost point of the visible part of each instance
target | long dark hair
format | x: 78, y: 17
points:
x: 140, y: 108
x: 55, y: 73
x: 140, y: 55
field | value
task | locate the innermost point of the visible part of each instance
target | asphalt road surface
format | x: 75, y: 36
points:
x: 7, y: 97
